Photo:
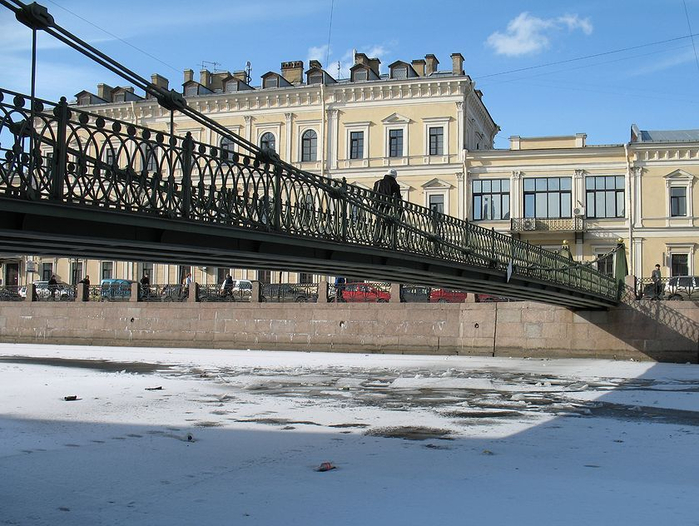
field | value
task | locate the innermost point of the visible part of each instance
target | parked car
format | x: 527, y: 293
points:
x: 490, y: 298
x: 364, y: 293
x: 682, y: 288
x: 283, y: 292
x: 447, y: 296
x: 63, y: 291
x: 115, y: 289
x: 414, y: 294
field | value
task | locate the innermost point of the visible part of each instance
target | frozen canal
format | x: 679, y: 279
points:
x: 112, y: 436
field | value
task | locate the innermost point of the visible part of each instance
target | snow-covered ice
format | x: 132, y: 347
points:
x: 209, y: 437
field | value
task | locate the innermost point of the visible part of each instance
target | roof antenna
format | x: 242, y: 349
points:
x: 248, y: 71
x: 215, y: 65
x: 338, y: 70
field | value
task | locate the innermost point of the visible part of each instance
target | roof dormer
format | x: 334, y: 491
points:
x: 401, y: 70
x: 233, y: 84
x: 192, y: 88
x: 362, y: 73
x: 272, y: 79
x: 85, y: 98
x: 317, y: 75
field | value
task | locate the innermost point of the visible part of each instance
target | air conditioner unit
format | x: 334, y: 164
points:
x: 579, y: 211
x: 529, y: 224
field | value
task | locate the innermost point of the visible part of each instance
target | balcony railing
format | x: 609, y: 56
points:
x: 531, y: 224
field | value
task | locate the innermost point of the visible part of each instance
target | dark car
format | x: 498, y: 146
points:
x: 287, y: 292
x: 115, y: 289
x: 414, y: 294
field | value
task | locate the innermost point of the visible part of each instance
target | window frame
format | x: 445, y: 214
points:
x: 592, y: 196
x: 438, y: 147
x: 389, y: 145
x: 261, y: 140
x: 548, y: 193
x: 309, y: 145
x: 505, y: 197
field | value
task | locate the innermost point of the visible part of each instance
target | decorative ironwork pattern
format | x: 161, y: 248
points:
x: 525, y: 224
x: 80, y: 159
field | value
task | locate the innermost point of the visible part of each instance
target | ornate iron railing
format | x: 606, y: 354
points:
x: 527, y: 224
x: 74, y: 157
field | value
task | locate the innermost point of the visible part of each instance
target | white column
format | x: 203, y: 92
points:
x: 516, y: 195
x: 578, y: 197
x: 248, y: 128
x: 460, y: 122
x: 288, y: 125
x: 334, y: 125
x: 460, y: 196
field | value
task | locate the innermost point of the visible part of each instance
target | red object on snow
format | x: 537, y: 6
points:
x: 326, y: 466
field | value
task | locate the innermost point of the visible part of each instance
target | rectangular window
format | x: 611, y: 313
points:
x: 360, y: 74
x: 606, y: 265
x: 264, y: 276
x: 107, y: 269
x: 271, y: 82
x: 221, y: 274
x: 305, y: 277
x: 76, y: 272
x: 191, y: 90
x: 547, y: 197
x: 315, y: 78
x: 678, y: 202
x: 357, y: 145
x: 395, y: 143
x: 147, y: 269
x: 437, y: 141
x: 436, y: 203
x: 679, y: 265
x: 46, y: 271
x: 604, y: 196
x: 491, y: 199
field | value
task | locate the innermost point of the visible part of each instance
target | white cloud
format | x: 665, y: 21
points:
x: 528, y: 34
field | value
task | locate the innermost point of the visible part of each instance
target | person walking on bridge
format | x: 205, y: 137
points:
x: 389, y: 196
x: 657, y: 278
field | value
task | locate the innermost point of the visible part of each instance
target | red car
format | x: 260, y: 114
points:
x: 364, y: 293
x: 447, y: 296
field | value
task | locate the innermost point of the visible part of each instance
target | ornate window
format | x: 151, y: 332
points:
x: 107, y: 269
x: 395, y: 143
x: 268, y: 141
x: 678, y: 202
x: 227, y: 146
x: 309, y: 146
x: 356, y: 145
x: 604, y: 196
x: 436, y: 135
x: 490, y: 199
x: 547, y: 197
x: 435, y: 202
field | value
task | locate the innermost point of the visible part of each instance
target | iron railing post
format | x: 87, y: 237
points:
x: 277, y: 217
x: 394, y: 229
x: 492, y: 248
x: 60, y: 151
x: 187, y: 154
x: 344, y: 210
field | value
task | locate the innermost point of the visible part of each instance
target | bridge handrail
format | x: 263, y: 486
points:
x: 79, y: 155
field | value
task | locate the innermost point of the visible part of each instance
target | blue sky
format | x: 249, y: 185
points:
x: 545, y: 67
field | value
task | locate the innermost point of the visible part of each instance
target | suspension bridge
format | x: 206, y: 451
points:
x: 77, y: 184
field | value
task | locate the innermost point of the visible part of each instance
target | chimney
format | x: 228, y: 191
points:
x: 374, y: 65
x: 188, y: 75
x: 293, y: 71
x: 315, y: 64
x: 431, y: 64
x: 419, y: 66
x: 159, y: 81
x: 240, y: 75
x: 205, y: 78
x: 361, y: 58
x: 104, y: 91
x: 457, y: 64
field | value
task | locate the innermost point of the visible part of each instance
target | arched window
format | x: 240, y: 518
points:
x: 267, y: 141
x: 309, y: 146
x: 228, y: 146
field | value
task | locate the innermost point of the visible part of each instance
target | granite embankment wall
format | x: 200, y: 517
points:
x: 642, y: 330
